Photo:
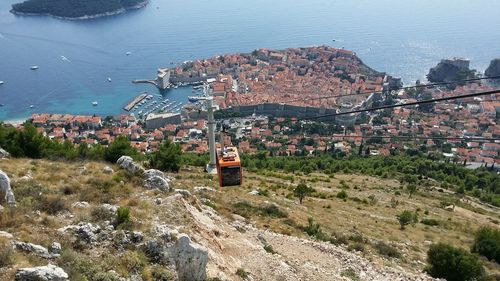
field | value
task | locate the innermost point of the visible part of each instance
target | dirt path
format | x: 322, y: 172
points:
x: 235, y: 244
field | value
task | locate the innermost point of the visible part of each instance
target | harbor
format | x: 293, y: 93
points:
x: 136, y: 101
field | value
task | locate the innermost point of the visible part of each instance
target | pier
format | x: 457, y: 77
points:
x: 134, y: 102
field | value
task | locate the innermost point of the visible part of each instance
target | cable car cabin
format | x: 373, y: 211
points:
x: 229, y: 167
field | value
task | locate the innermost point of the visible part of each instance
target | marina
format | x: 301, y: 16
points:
x: 140, y: 98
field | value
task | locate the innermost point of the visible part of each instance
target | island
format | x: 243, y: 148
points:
x: 76, y: 9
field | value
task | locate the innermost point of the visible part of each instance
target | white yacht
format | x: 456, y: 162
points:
x: 34, y: 67
x: 94, y: 103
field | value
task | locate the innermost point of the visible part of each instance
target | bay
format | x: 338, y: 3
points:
x: 402, y: 38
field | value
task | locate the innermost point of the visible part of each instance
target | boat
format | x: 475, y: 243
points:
x: 193, y: 98
x: 34, y: 67
x: 1, y: 104
x: 94, y: 103
x: 1, y: 82
x: 128, y: 53
x: 109, y: 79
x: 32, y: 106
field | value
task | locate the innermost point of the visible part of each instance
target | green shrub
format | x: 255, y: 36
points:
x: 406, y: 217
x: 122, y: 216
x: 351, y: 274
x: 269, y: 249
x: 247, y: 210
x: 387, y: 250
x: 242, y: 273
x: 487, y: 243
x: 167, y: 157
x: 301, y: 191
x: 430, y: 222
x: 314, y: 230
x: 339, y: 239
x: 342, y: 194
x: 359, y: 247
x: 159, y: 273
x: 118, y: 148
x: 453, y: 264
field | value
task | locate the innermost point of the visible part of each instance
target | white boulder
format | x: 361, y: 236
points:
x: 107, y: 170
x: 32, y: 248
x: 41, y: 273
x: 157, y: 182
x: 127, y: 163
x: 6, y: 189
x: 4, y: 154
x: 190, y: 259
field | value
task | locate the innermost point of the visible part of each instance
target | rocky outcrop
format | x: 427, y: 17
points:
x: 190, y: 259
x: 87, y: 232
x: 41, y: 273
x: 4, y: 153
x: 127, y: 163
x: 6, y: 189
x: 53, y: 252
x: 153, y: 179
x: 156, y: 182
x: 493, y: 69
x: 448, y: 70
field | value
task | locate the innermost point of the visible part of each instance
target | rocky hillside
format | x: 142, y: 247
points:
x: 91, y: 221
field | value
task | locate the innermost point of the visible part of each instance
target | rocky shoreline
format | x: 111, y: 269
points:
x: 86, y: 17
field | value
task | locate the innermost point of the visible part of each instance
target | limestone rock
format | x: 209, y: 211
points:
x: 32, y: 248
x: 127, y: 163
x: 41, y: 273
x: 4, y: 153
x: 493, y: 69
x: 85, y: 231
x: 190, y: 259
x: 55, y: 248
x: 254, y: 192
x: 6, y: 235
x: 107, y: 170
x: 153, y: 172
x: 157, y: 182
x: 80, y: 205
x: 185, y: 193
x: 6, y: 189
x: 201, y: 189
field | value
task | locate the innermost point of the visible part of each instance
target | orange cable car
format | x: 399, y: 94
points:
x: 229, y: 167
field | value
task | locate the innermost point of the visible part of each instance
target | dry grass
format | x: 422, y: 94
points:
x: 369, y: 210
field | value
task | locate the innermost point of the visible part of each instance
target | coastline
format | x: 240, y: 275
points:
x: 86, y: 17
x: 15, y: 122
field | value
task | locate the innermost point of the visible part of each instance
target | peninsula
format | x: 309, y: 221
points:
x: 76, y: 9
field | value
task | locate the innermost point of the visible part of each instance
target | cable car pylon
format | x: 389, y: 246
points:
x: 225, y: 162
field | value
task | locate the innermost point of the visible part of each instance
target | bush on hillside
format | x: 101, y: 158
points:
x: 301, y: 191
x: 167, y: 157
x: 118, y: 148
x: 487, y: 243
x: 407, y: 217
x: 453, y: 264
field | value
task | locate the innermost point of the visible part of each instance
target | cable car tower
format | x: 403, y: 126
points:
x: 225, y: 162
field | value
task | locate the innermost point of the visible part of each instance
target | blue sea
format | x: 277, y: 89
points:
x: 402, y: 38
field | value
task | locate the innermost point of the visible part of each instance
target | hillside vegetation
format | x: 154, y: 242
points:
x: 347, y: 217
x: 74, y: 8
